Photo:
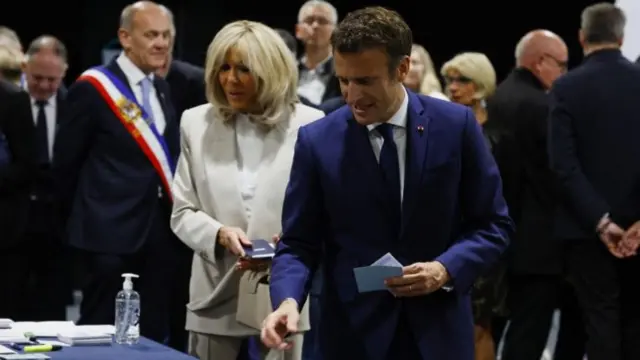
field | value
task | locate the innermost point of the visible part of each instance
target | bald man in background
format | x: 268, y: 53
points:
x: 117, y: 202
x: 519, y: 112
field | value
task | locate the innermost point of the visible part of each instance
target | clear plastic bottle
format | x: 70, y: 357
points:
x: 127, y: 312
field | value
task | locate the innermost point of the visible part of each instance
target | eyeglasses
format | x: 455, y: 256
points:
x: 319, y: 19
x: 459, y: 80
x: 561, y: 64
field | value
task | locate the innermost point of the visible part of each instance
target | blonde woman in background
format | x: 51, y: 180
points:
x: 422, y: 76
x: 230, y: 182
x: 471, y: 80
x: 11, y: 59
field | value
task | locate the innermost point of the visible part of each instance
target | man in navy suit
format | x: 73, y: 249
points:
x: 394, y: 172
x: 593, y: 130
x: 114, y: 165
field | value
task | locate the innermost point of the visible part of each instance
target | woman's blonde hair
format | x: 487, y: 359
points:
x: 269, y: 61
x: 11, y: 60
x: 478, y: 68
x: 429, y: 82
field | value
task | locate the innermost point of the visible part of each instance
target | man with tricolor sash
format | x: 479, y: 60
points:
x: 115, y: 158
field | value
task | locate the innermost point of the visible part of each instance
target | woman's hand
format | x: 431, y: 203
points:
x: 233, y: 239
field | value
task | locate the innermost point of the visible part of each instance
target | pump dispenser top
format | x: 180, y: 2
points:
x: 128, y: 283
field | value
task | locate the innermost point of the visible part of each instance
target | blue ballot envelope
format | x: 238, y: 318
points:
x: 371, y: 278
x: 260, y: 249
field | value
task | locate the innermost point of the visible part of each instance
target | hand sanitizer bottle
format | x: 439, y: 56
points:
x: 127, y: 312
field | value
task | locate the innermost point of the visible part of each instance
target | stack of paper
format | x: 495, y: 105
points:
x: 87, y: 335
x: 5, y: 323
x: 12, y: 336
x: 42, y: 328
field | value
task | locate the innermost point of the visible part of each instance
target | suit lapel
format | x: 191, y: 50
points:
x: 417, y: 134
x: 221, y: 169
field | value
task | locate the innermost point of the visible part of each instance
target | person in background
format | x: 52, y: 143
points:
x: 422, y: 76
x: 518, y: 112
x: 115, y: 157
x: 316, y: 21
x: 593, y: 152
x: 356, y: 194
x: 231, y: 178
x: 50, y: 270
x: 11, y: 60
x: 291, y: 43
x: 18, y: 167
x: 9, y: 37
x: 470, y: 81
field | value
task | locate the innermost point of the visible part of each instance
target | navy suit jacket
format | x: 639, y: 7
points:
x: 593, y: 147
x: 453, y: 212
x: 107, y: 187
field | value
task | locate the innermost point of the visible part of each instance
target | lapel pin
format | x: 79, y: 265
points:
x: 420, y: 129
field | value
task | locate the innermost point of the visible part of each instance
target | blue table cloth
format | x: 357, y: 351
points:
x: 145, y: 349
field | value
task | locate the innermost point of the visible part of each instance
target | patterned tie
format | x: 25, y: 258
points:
x: 389, y: 164
x: 42, y: 138
x: 146, y: 86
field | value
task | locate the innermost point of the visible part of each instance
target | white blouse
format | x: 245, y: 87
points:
x: 249, y: 146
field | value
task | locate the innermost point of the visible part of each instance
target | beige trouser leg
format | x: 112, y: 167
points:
x: 217, y: 347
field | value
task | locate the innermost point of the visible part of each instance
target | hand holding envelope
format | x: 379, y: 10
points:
x: 387, y: 273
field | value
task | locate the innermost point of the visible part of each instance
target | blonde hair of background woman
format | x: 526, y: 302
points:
x: 429, y: 82
x: 268, y: 59
x: 477, y: 67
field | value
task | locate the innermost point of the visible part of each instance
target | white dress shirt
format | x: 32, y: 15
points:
x: 50, y: 111
x: 399, y: 122
x: 134, y: 75
x: 250, y: 145
x: 312, y: 83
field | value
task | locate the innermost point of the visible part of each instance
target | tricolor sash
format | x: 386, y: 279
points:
x: 135, y: 120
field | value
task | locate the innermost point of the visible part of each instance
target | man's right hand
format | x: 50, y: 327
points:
x: 611, y: 235
x: 279, y: 324
x: 233, y: 239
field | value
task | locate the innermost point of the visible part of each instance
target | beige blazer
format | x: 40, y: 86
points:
x: 206, y: 197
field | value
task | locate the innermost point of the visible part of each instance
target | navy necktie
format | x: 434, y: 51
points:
x: 42, y: 137
x: 390, y: 167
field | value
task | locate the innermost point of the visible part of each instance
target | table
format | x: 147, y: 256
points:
x: 145, y: 349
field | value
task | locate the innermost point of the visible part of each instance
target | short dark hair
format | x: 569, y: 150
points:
x: 602, y: 23
x: 374, y: 28
x: 47, y: 42
x: 289, y: 40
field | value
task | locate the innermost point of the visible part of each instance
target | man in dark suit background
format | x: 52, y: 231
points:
x: 518, y: 114
x: 16, y: 176
x: 594, y: 152
x: 50, y: 267
x: 117, y: 203
x: 186, y: 82
x: 291, y: 43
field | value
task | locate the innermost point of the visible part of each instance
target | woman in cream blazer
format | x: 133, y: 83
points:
x: 231, y: 178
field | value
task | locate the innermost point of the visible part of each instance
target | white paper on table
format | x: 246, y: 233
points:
x: 43, y: 328
x: 12, y: 336
x: 5, y: 323
x: 97, y: 329
x: 387, y: 260
x: 5, y: 350
x: 52, y: 342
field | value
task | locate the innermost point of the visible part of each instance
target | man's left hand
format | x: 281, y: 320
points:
x: 419, y: 279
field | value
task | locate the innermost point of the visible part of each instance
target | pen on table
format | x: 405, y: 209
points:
x: 41, y: 348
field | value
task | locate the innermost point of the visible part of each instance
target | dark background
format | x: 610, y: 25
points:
x: 444, y: 28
